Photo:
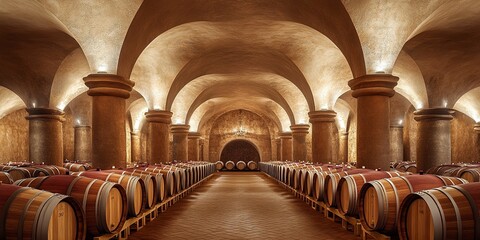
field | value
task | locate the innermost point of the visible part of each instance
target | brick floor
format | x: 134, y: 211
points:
x: 241, y: 205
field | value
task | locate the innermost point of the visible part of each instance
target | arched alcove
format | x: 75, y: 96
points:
x: 240, y: 150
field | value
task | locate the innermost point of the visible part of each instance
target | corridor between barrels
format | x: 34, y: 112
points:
x: 241, y: 205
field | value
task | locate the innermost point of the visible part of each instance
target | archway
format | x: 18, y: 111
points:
x: 240, y: 150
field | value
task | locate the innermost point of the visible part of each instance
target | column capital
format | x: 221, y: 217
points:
x: 45, y: 114
x: 100, y: 84
x: 396, y: 126
x: 373, y: 84
x: 300, y: 128
x: 159, y: 116
x: 322, y: 116
x: 434, y: 114
x: 285, y: 135
x: 179, y: 128
x: 135, y: 133
x: 82, y: 126
x: 194, y: 135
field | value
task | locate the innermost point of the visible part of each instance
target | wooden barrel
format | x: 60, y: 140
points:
x: 33, y: 214
x: 442, y: 213
x: 21, y: 172
x: 150, y: 185
x: 50, y: 169
x: 331, y: 181
x: 104, y: 203
x: 440, y: 170
x: 160, y: 183
x: 229, y: 165
x: 5, y: 178
x: 170, y: 181
x: 381, y: 199
x: 241, y: 165
x: 134, y: 188
x: 219, y: 165
x: 75, y: 167
x: 252, y: 165
x: 5, y: 167
x: 349, y: 187
x: 470, y: 174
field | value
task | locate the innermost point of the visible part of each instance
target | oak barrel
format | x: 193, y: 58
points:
x: 134, y: 188
x: 160, y: 182
x: 21, y: 172
x: 104, y: 203
x: 241, y: 165
x: 229, y: 165
x: 150, y: 185
x: 349, y: 187
x: 5, y: 178
x: 381, y: 199
x: 75, y: 167
x: 29, y: 213
x: 170, y: 181
x: 219, y: 165
x: 331, y: 181
x: 442, y: 213
x: 470, y: 174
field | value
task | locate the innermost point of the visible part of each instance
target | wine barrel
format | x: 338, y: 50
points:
x: 134, y: 187
x: 331, y: 181
x: 21, y: 172
x: 5, y: 167
x: 75, y: 167
x: 219, y: 165
x: 5, y: 178
x: 50, y: 169
x: 381, y: 199
x: 33, y: 214
x: 241, y: 165
x: 104, y: 203
x: 170, y: 180
x: 229, y: 165
x: 252, y: 165
x: 160, y: 182
x: 150, y: 185
x: 440, y: 170
x: 349, y: 187
x: 470, y: 174
x: 442, y: 213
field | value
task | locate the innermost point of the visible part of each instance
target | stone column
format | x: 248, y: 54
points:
x: 159, y: 133
x: 194, y: 146
x: 343, y: 148
x: 278, y: 143
x: 373, y: 93
x: 135, y: 152
x: 323, y: 136
x: 45, y: 136
x: 476, y: 128
x: 299, y: 146
x: 201, y: 147
x: 83, y: 143
x: 108, y: 119
x: 286, y: 142
x: 180, y: 142
x: 396, y: 143
x: 434, y: 146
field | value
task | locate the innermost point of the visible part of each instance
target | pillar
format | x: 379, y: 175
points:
x: 159, y: 133
x: 343, y: 147
x: 434, y: 145
x: 476, y: 128
x: 135, y: 150
x: 286, y: 145
x: 45, y: 136
x: 323, y: 136
x: 373, y: 93
x: 180, y: 142
x: 396, y: 143
x: 194, y: 146
x: 82, y: 143
x: 299, y: 146
x: 278, y: 143
x: 108, y: 93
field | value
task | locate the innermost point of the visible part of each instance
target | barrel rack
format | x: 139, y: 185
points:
x: 348, y: 223
x: 149, y: 215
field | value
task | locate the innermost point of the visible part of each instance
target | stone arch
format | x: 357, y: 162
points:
x: 240, y: 150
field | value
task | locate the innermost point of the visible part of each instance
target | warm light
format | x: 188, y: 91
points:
x: 102, y: 68
x: 34, y: 104
x: 178, y: 121
x: 61, y: 105
x: 400, y: 122
x: 445, y: 103
x: 302, y: 121
x: 78, y: 121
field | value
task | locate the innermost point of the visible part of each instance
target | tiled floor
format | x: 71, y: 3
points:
x: 241, y: 205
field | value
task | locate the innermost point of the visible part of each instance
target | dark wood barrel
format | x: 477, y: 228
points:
x: 104, y: 203
x: 5, y: 178
x: 150, y: 185
x: 170, y: 180
x: 470, y: 174
x: 241, y: 165
x: 442, y: 213
x: 50, y: 169
x: 160, y: 182
x: 252, y: 165
x: 134, y: 188
x: 34, y: 214
x: 75, y: 167
x: 440, y: 170
x: 349, y: 187
x: 229, y: 165
x: 5, y: 167
x: 219, y: 165
x: 380, y: 199
x: 331, y: 181
x: 21, y: 172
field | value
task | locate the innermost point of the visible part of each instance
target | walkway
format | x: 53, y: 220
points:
x: 241, y: 205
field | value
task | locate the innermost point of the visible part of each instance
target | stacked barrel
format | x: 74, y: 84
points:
x: 86, y: 203
x: 239, y: 165
x: 391, y: 203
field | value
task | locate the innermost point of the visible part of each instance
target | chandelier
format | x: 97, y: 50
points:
x: 240, y: 131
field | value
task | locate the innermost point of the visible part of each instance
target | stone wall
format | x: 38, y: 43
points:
x: 14, y: 138
x: 464, y: 148
x: 68, y: 136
